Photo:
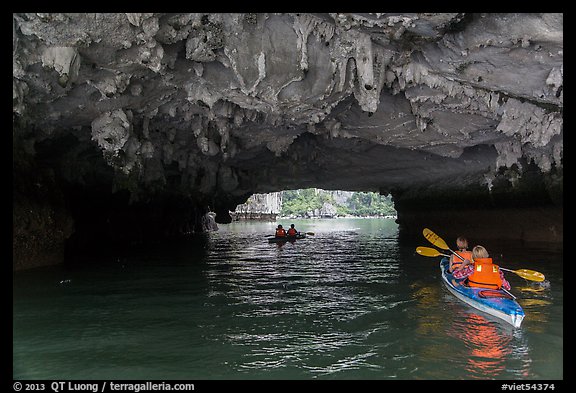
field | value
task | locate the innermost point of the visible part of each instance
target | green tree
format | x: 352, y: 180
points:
x: 299, y: 202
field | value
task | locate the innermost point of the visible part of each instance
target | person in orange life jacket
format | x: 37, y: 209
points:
x: 280, y: 232
x: 482, y: 273
x: 455, y: 262
x: 292, y: 231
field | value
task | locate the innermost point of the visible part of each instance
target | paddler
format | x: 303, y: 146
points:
x: 482, y: 273
x: 292, y: 230
x: 280, y: 232
x: 455, y: 262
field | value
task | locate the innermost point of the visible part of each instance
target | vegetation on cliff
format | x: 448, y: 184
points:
x: 320, y: 203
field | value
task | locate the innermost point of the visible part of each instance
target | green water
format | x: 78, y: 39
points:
x: 351, y: 301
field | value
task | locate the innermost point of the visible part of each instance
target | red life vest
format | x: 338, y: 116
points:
x: 292, y: 232
x: 457, y: 261
x: 280, y: 232
x: 486, y: 274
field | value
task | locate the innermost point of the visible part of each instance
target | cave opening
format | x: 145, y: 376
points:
x: 310, y: 203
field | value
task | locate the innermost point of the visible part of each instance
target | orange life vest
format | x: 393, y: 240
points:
x: 464, y: 254
x: 292, y: 232
x: 486, y: 274
x: 280, y: 232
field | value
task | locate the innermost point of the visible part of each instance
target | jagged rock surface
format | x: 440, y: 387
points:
x: 136, y: 110
x: 259, y: 207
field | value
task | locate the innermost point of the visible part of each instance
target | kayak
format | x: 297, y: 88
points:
x: 287, y: 238
x: 498, y: 303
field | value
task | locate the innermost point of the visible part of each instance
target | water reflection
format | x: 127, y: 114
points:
x: 426, y: 297
x: 537, y: 309
x: 489, y: 346
x: 473, y: 345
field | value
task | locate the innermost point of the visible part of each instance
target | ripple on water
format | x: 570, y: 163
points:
x: 350, y: 302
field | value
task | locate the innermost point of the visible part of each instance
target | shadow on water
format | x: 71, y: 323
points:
x: 186, y: 250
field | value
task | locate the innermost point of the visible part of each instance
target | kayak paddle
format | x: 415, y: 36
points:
x: 429, y: 252
x: 531, y: 275
x: 438, y: 241
x: 308, y: 233
x: 527, y: 274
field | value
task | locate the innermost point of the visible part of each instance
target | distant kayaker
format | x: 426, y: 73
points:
x: 482, y: 272
x: 292, y: 231
x: 280, y: 232
x: 455, y: 262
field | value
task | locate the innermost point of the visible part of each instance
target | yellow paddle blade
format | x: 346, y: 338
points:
x: 530, y: 275
x: 429, y: 252
x: 435, y: 239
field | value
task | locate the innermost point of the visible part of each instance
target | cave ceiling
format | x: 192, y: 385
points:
x: 225, y: 105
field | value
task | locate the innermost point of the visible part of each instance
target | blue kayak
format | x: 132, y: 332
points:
x: 498, y: 303
x: 286, y: 238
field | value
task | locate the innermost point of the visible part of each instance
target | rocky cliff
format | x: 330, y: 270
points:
x: 130, y: 126
x: 259, y: 207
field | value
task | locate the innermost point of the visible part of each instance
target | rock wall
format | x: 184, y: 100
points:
x: 529, y: 209
x: 40, y: 221
x: 530, y: 225
x: 259, y: 207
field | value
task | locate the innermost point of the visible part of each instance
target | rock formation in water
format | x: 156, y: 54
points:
x: 259, y: 207
x: 132, y: 126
